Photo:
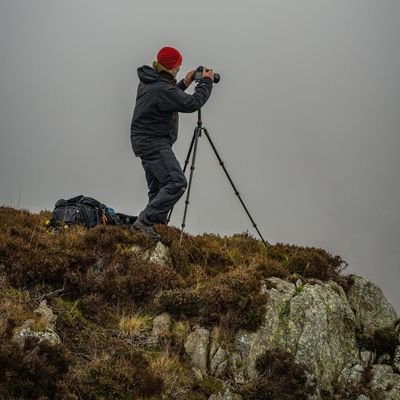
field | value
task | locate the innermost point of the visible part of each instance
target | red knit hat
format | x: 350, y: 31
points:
x: 169, y: 57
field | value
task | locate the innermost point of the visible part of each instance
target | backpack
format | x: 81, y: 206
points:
x: 87, y: 211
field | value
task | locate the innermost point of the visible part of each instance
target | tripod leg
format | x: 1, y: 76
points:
x: 197, y: 134
x: 185, y: 166
x: 233, y: 185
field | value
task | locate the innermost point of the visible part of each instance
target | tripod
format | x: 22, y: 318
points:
x: 193, y: 148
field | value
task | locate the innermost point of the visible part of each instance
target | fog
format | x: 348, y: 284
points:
x: 306, y: 116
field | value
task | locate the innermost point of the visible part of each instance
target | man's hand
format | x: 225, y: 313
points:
x: 208, y: 73
x: 188, y: 79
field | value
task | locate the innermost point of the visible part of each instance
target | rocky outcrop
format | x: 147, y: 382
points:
x: 317, y: 324
x: 41, y: 329
x: 206, y: 353
x: 313, y: 322
x: 371, y: 309
x: 384, y: 380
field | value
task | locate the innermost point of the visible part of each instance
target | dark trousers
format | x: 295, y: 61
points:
x: 166, y: 183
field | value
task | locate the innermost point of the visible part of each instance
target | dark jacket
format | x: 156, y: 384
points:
x: 159, y: 99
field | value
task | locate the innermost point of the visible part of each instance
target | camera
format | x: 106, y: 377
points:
x: 199, y: 74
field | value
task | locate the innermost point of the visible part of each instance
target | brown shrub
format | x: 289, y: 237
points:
x: 280, y: 378
x: 234, y: 300
x: 120, y: 373
x: 179, y: 302
x: 309, y: 262
x: 381, y: 341
x: 33, y: 373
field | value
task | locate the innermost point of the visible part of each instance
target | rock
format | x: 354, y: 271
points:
x: 226, y: 395
x: 315, y: 324
x: 384, y: 359
x: 371, y: 308
x: 363, y: 397
x: 161, y: 327
x: 385, y: 380
x: 25, y: 332
x: 47, y: 317
x: 396, y: 360
x: 138, y: 251
x: 367, y: 358
x: 161, y: 255
x: 196, y: 346
x: 315, y: 396
x: 218, y: 362
x: 41, y: 329
x: 351, y: 375
x: 217, y: 355
x: 236, y: 366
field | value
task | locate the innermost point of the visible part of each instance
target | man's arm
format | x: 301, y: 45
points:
x: 187, y: 80
x: 174, y: 99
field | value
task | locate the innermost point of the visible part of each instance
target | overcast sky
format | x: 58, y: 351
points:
x: 306, y: 116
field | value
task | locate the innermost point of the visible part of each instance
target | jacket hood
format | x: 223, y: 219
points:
x: 147, y: 74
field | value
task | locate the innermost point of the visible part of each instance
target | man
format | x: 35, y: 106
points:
x: 154, y: 129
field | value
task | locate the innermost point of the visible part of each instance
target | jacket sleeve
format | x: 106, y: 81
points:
x: 181, y: 85
x: 175, y: 99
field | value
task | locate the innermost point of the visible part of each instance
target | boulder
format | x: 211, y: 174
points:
x: 314, y: 322
x: 197, y: 347
x: 40, y: 330
x: 161, y: 325
x: 371, y: 309
x: 386, y: 381
x: 161, y: 255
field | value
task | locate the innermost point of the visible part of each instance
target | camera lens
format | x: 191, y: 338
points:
x: 217, y: 78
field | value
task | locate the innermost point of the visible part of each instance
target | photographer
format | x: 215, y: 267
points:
x: 154, y: 129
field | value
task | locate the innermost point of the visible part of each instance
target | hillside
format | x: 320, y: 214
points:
x: 106, y: 313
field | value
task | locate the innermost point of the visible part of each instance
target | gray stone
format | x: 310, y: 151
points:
x: 25, y: 332
x: 236, y: 366
x: 197, y: 346
x: 218, y: 362
x: 363, y: 397
x: 161, y: 325
x: 384, y: 359
x: 45, y: 333
x: 315, y: 324
x: 385, y: 380
x: 161, y: 255
x: 226, y: 395
x: 139, y: 252
x: 351, y: 375
x: 367, y: 358
x: 396, y: 360
x: 47, y: 317
x: 315, y: 396
x: 371, y: 308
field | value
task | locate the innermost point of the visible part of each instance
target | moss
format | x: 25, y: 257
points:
x: 299, y: 288
x: 210, y: 385
x: 239, y: 363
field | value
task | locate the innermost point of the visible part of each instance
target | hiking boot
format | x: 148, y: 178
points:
x: 140, y: 226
